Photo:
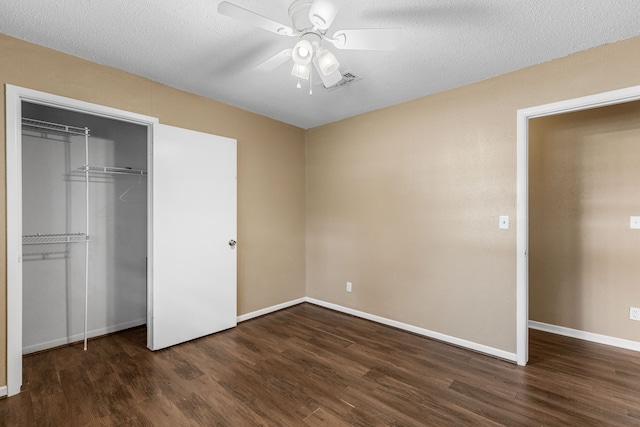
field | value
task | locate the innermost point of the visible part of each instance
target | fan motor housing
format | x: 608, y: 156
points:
x: 299, y: 14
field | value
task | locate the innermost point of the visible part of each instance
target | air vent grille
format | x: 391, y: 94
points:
x: 347, y: 78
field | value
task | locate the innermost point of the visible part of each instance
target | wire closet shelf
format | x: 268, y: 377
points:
x: 41, y: 125
x: 108, y: 171
x: 50, y: 239
x: 33, y: 124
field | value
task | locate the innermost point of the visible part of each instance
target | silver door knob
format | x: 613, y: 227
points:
x: 232, y: 243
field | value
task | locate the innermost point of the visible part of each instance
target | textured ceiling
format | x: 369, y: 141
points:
x: 444, y: 44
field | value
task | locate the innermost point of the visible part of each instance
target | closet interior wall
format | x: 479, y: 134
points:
x: 53, y: 200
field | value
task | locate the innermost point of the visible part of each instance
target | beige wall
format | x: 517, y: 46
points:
x: 404, y: 202
x: 583, y: 258
x: 271, y: 229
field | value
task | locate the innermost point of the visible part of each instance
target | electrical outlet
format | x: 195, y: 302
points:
x: 634, y: 313
x: 348, y: 286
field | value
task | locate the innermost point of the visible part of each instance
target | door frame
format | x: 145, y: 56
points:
x: 603, y: 99
x: 14, y: 97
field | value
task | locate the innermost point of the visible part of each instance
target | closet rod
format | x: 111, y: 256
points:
x: 53, y: 127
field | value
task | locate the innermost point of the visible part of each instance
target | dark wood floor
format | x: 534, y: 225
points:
x: 309, y: 366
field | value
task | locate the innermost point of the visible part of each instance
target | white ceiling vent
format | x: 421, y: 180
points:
x: 347, y: 78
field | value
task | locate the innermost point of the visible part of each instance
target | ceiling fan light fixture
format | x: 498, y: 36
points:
x: 302, y: 52
x: 301, y: 71
x: 327, y: 61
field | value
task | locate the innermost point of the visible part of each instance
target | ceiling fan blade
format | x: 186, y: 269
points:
x: 323, y: 12
x: 242, y: 14
x: 274, y: 62
x: 329, y: 80
x: 367, y: 39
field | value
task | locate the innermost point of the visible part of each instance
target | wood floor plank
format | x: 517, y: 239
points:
x: 54, y: 410
x: 84, y: 401
x: 437, y: 399
x: 114, y: 395
x: 17, y: 410
x: 124, y: 416
x: 567, y: 409
x: 163, y: 413
x: 70, y: 356
x: 250, y: 389
x: 322, y: 417
x: 41, y: 376
x: 481, y: 401
x: 307, y: 365
x: 196, y: 409
x: 227, y: 408
x: 135, y: 373
x: 366, y: 402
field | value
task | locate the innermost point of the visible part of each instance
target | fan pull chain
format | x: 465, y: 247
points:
x: 310, y: 83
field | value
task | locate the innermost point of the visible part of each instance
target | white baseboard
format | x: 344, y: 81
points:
x: 3, y: 391
x: 410, y: 328
x: 79, y: 337
x: 271, y: 309
x: 587, y: 336
x: 480, y: 348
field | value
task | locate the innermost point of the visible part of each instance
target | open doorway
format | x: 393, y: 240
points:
x: 584, y: 168
x: 523, y: 197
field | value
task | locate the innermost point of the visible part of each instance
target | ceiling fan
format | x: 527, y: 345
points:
x: 310, y: 22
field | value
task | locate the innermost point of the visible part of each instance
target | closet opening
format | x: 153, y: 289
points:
x: 147, y: 260
x: 84, y: 226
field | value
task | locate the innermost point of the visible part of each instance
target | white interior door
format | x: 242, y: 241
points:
x: 193, y: 221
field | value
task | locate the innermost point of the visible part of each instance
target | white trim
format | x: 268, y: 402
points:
x: 3, y: 391
x: 522, y: 275
x: 587, y: 336
x: 470, y: 345
x: 271, y: 309
x: 13, y: 110
x: 71, y: 104
x: 13, y: 107
x: 80, y: 337
x: 522, y: 240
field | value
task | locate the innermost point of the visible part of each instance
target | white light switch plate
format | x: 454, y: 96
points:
x: 634, y: 222
x: 504, y: 222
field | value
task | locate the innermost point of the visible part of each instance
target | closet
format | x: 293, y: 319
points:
x: 161, y: 226
x: 84, y: 226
